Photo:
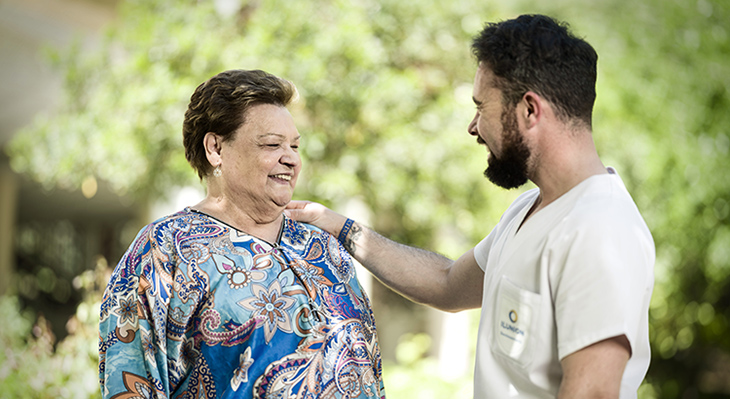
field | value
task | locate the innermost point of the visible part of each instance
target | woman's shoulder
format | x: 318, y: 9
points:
x: 305, y: 237
x: 297, y: 232
x: 170, y: 224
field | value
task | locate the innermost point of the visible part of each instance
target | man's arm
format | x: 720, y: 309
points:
x: 596, y: 370
x: 422, y: 276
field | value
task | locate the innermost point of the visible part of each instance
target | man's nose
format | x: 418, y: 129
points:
x: 472, y: 128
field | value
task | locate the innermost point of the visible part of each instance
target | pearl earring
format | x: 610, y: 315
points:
x: 217, y: 171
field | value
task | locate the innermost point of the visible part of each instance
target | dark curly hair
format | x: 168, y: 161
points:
x: 537, y: 53
x: 219, y: 105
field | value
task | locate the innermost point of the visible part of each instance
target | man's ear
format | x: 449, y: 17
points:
x: 212, y: 143
x: 532, y: 109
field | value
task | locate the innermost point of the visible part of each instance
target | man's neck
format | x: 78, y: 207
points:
x: 562, y: 167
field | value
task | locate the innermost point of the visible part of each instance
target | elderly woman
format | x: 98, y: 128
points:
x: 230, y: 298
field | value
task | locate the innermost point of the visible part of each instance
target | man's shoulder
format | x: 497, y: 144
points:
x: 606, y: 214
x: 607, y: 201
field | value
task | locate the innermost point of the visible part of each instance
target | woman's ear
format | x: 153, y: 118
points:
x: 212, y: 143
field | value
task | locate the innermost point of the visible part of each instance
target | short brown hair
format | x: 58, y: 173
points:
x: 219, y: 105
x: 539, y: 53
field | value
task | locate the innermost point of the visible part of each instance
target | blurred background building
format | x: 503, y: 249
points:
x: 50, y: 232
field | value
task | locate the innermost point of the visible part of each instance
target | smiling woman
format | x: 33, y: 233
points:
x: 229, y: 297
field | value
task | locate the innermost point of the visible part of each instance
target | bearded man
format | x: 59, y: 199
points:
x: 565, y: 278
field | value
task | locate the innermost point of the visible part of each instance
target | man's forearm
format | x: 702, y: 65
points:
x: 417, y: 274
x: 420, y: 275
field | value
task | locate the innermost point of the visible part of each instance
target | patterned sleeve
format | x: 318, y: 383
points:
x: 129, y: 361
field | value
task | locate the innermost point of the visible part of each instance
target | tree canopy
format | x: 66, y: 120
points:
x: 385, y: 88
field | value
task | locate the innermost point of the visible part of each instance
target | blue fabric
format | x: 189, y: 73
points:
x: 197, y: 309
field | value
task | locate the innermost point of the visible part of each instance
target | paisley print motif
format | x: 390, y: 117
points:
x: 198, y: 309
x: 136, y: 388
x: 270, y: 306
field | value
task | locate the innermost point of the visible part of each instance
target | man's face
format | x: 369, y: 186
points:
x: 495, y: 125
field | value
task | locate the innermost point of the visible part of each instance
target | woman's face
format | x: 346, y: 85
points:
x: 261, y: 162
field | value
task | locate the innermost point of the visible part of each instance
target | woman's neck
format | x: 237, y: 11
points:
x: 264, y: 224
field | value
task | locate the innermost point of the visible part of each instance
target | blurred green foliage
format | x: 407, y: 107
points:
x: 415, y: 375
x: 33, y: 365
x: 385, y: 100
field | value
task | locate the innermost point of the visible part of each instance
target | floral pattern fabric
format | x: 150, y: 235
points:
x: 197, y: 309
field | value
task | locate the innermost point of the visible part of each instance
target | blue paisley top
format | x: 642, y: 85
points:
x: 198, y: 309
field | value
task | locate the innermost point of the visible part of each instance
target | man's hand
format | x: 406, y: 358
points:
x: 316, y: 214
x: 423, y: 276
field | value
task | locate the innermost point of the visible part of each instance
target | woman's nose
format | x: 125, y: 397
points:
x: 290, y: 157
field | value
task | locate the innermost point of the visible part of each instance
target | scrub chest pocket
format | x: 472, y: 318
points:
x: 514, y: 322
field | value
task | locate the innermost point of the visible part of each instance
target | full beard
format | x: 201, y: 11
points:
x: 510, y: 169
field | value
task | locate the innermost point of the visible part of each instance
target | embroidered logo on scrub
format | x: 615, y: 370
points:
x: 513, y: 322
x: 511, y: 330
